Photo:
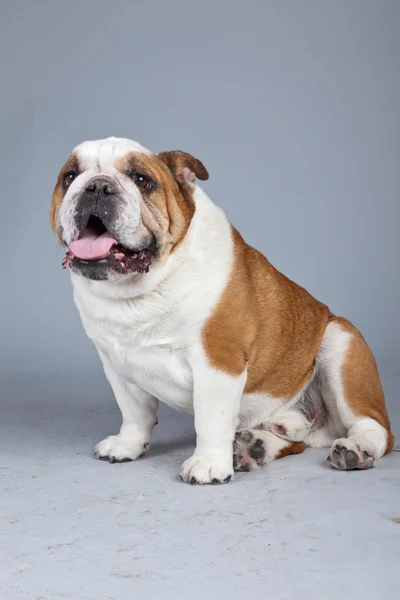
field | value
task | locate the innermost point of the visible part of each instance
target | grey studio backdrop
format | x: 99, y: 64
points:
x: 294, y: 108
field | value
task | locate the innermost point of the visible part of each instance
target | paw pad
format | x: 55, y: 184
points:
x: 347, y: 456
x: 248, y: 451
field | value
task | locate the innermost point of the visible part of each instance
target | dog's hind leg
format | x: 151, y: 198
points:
x: 353, y: 397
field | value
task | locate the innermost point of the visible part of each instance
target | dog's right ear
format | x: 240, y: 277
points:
x: 184, y: 166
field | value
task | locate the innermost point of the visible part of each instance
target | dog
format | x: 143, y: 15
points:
x: 182, y: 310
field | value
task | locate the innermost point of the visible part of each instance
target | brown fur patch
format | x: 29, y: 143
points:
x: 171, y: 200
x: 275, y: 326
x: 291, y: 448
x: 72, y: 164
x: 363, y: 388
x: 177, y: 161
x: 268, y: 322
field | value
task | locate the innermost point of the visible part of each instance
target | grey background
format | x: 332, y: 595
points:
x: 294, y: 109
x: 292, y: 106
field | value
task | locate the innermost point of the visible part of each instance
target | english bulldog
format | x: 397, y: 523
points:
x: 182, y: 310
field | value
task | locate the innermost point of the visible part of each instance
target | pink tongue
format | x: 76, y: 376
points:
x: 91, y: 246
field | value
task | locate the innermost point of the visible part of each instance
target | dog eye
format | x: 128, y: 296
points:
x: 69, y: 178
x: 142, y: 181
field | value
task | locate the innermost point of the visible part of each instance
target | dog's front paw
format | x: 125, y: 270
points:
x: 202, y: 470
x: 117, y: 448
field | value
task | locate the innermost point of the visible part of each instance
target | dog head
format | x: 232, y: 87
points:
x: 118, y: 209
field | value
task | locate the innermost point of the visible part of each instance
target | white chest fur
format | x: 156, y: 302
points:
x: 163, y: 372
x: 146, y: 328
x: 161, y: 369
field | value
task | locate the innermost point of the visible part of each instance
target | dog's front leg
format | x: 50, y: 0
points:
x: 139, y: 415
x: 216, y: 399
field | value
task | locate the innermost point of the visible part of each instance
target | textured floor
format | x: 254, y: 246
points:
x: 73, y: 527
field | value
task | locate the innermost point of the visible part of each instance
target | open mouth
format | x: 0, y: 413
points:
x: 96, y: 244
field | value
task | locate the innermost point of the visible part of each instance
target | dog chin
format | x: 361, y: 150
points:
x: 99, y: 270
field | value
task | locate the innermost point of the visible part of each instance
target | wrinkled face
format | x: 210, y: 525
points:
x: 118, y: 209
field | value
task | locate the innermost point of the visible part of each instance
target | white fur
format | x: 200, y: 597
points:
x: 365, y: 434
x: 256, y: 409
x: 296, y: 427
x: 330, y: 358
x: 148, y: 331
x: 216, y: 397
x: 139, y: 414
x: 273, y: 444
x: 98, y: 158
x: 320, y: 438
x: 105, y: 152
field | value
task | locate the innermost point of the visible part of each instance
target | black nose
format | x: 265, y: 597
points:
x: 101, y: 186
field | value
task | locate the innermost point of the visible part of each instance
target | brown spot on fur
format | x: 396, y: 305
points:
x: 72, y: 164
x: 268, y: 322
x: 292, y: 448
x: 362, y: 385
x: 181, y: 163
x: 172, y: 197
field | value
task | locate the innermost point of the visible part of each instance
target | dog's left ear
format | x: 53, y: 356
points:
x: 184, y: 166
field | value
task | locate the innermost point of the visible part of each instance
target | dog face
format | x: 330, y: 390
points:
x: 118, y: 209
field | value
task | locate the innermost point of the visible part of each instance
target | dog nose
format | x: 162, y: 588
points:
x: 101, y: 186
